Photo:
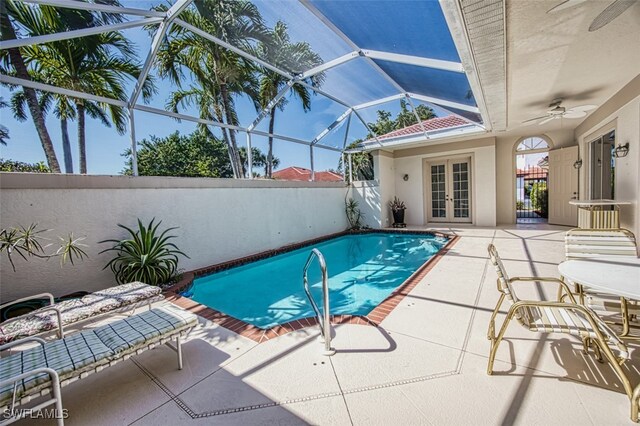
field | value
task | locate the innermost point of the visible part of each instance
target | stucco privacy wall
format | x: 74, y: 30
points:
x: 367, y: 194
x: 412, y: 191
x: 622, y: 113
x: 218, y: 220
x: 506, y: 167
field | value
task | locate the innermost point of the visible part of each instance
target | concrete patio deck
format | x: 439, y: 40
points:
x: 425, y: 364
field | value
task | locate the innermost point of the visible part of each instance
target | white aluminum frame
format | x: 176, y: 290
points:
x: 166, y: 19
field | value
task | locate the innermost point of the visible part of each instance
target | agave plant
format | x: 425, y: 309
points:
x: 146, y: 256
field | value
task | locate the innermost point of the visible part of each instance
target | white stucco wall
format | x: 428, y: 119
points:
x: 384, y: 171
x: 626, y: 122
x: 367, y: 194
x: 413, y: 191
x: 218, y: 220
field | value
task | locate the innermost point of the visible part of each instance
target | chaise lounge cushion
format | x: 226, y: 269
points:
x: 76, y: 310
x: 90, y: 349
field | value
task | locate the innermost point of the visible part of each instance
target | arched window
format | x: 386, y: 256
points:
x: 533, y: 143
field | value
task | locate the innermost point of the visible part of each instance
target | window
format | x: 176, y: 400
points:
x: 533, y: 144
x: 602, y: 167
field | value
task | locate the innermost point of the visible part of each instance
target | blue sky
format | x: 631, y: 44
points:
x: 354, y: 82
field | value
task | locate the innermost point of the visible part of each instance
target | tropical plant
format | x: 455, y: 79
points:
x: 218, y: 74
x: 195, y: 155
x: 396, y: 204
x: 147, y: 256
x: 4, y: 132
x: 361, y: 162
x: 12, y: 62
x: 100, y: 64
x: 258, y: 159
x: 294, y: 57
x: 28, y: 242
x: 540, y: 198
x: 19, y: 166
x: 354, y: 215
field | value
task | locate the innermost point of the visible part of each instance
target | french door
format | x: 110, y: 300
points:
x: 449, y: 190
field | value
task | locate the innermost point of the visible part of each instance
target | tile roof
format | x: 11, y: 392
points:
x: 300, y: 173
x: 429, y: 125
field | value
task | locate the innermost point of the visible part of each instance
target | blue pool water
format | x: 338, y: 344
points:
x: 363, y: 270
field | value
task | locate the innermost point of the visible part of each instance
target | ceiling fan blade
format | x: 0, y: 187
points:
x: 565, y: 5
x: 548, y: 119
x: 612, y: 11
x: 533, y: 119
x: 575, y: 114
x: 582, y: 108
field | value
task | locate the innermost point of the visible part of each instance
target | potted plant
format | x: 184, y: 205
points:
x: 397, y: 208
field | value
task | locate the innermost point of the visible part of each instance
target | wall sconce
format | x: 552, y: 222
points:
x: 577, y: 164
x: 621, y: 150
x: 405, y: 177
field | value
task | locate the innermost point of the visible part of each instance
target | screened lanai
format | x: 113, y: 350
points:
x: 416, y: 60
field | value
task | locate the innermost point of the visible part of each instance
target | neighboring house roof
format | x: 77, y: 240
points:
x: 428, y: 125
x: 532, y: 173
x: 300, y: 173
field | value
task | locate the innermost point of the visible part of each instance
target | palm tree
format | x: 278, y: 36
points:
x: 64, y: 110
x: 14, y: 63
x: 218, y: 73
x: 258, y: 159
x: 295, y: 57
x: 98, y: 64
x: 4, y: 132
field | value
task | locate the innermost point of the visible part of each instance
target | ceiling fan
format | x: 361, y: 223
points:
x: 557, y: 111
x: 611, y: 12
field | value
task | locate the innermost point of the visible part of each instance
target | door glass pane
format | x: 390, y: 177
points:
x: 438, y: 206
x: 460, y: 190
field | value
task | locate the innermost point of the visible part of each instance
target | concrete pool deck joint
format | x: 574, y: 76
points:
x: 260, y: 335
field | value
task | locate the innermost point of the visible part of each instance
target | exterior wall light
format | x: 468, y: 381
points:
x: 621, y: 150
x: 577, y: 164
x: 405, y: 177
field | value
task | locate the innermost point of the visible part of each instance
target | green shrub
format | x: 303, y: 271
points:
x: 540, y: 198
x: 19, y: 166
x: 519, y: 205
x: 145, y: 256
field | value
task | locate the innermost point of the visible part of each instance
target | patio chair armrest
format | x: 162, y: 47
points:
x: 558, y: 281
x: 22, y: 341
x: 47, y: 308
x: 33, y: 297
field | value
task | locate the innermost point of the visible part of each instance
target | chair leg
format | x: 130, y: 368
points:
x: 491, y: 332
x: 179, y: 351
x: 634, y: 404
x: 495, y: 343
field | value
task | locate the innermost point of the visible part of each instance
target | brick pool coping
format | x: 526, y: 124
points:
x: 259, y: 335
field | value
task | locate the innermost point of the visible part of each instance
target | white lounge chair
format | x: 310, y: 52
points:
x: 53, y: 364
x: 55, y: 316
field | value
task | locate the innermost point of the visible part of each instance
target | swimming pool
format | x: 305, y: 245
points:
x: 363, y: 270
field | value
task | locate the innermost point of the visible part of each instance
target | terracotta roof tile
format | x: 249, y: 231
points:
x: 429, y: 125
x: 300, y: 173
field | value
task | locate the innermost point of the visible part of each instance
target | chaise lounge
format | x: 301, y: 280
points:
x: 57, y: 315
x: 53, y: 364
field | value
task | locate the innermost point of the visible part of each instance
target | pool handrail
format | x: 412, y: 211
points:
x: 324, y: 321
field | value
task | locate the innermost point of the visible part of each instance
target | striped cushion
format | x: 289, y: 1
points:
x: 75, y: 310
x: 89, y: 349
x: 131, y: 332
x: 563, y: 320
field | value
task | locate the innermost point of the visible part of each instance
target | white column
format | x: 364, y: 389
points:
x: 249, y: 156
